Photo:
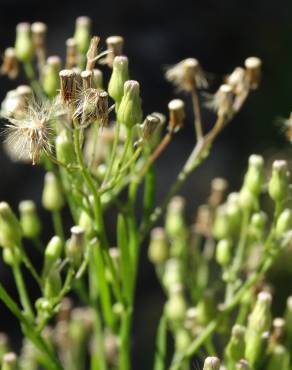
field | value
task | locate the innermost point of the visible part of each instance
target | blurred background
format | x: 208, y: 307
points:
x: 221, y: 34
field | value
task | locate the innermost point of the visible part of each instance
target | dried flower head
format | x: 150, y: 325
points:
x: 29, y: 136
x: 222, y: 101
x: 71, y: 53
x: 87, y: 77
x: 253, y: 67
x: 10, y: 64
x: 39, y: 30
x: 287, y: 123
x: 177, y: 115
x: 15, y: 103
x: 68, y: 84
x: 237, y: 80
x: 187, y: 74
x: 115, y: 46
x: 92, y: 53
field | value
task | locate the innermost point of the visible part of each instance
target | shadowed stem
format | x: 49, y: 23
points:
x: 197, y: 113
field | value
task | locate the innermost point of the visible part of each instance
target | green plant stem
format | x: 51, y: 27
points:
x: 113, y: 153
x: 23, y: 295
x: 161, y: 345
x: 29, y: 72
x: 197, y: 113
x: 58, y: 225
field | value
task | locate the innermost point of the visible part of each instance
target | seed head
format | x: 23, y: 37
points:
x: 39, y: 30
x: 237, y: 80
x: 115, y: 46
x: 177, y: 115
x: 253, y: 67
x: 222, y: 101
x: 68, y: 84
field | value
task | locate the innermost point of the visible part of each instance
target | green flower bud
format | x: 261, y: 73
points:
x: 172, y: 273
x: 182, y: 340
x: 120, y: 75
x: 235, y: 348
x: 23, y: 44
x: 256, y: 345
x: 247, y: 199
x: 64, y: 148
x: 11, y: 256
x: 10, y: 229
x: 279, y: 182
x: 75, y: 246
x: 85, y: 221
x: 158, y: 247
x: 211, y: 363
x: 97, y: 79
x: 260, y: 318
x: 223, y: 252
x: 82, y: 34
x: 52, y: 283
x: 234, y: 215
x: 206, y: 308
x: 254, y: 177
x: 279, y: 359
x: 176, y: 307
x: 130, y: 109
x: 175, y: 223
x: 53, y: 252
x: 257, y: 224
x: 52, y: 197
x: 50, y: 78
x: 9, y: 361
x: 29, y: 220
x: 284, y: 222
x: 221, y: 228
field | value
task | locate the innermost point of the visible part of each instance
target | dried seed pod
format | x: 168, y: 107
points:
x: 253, y: 67
x: 10, y: 65
x: 115, y: 46
x: 177, y: 115
x: 68, y: 86
x: 71, y: 53
x: 39, y: 30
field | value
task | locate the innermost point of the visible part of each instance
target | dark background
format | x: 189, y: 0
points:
x: 221, y: 34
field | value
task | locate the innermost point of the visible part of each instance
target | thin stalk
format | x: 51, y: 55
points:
x: 29, y: 72
x: 58, y: 225
x: 113, y: 153
x: 197, y: 113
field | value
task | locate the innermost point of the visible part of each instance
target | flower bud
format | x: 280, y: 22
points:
x: 223, y: 252
x: 53, y: 252
x: 75, y: 246
x: 97, y: 79
x: 284, y: 222
x: 10, y: 64
x: 218, y: 189
x: 247, y: 199
x: 256, y: 345
x: 278, y: 332
x: 10, y: 229
x: 23, y: 44
x: 52, y: 198
x: 9, y: 361
x: 130, y: 110
x: 279, y: 182
x: 29, y: 220
x: 64, y: 148
x: 182, y: 340
x: 39, y: 30
x: 206, y: 309
x: 50, y: 78
x: 222, y: 226
x: 71, y: 53
x: 258, y: 221
x: 223, y: 101
x: 211, y: 363
x: 253, y: 67
x: 279, y: 358
x: 176, y: 108
x: 52, y: 283
x: 120, y: 74
x: 254, y: 176
x: 260, y: 318
x: 175, y: 307
x: 11, y: 256
x: 172, y: 273
x: 115, y: 48
x: 235, y: 348
x: 68, y: 83
x: 158, y: 247
x: 85, y: 221
x: 150, y: 127
x: 82, y: 34
x: 175, y: 223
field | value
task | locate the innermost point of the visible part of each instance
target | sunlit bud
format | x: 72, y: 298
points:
x: 206, y: 308
x: 242, y: 365
x: 256, y: 346
x: 52, y: 197
x: 211, y: 363
x: 279, y: 182
x: 279, y: 328
x: 175, y: 307
x: 53, y: 252
x: 75, y: 246
x: 284, y: 222
x: 253, y: 67
x: 221, y: 228
x: 222, y: 101
x: 29, y: 220
x: 158, y: 247
x: 92, y: 53
x: 85, y: 221
x: 223, y: 252
x: 52, y: 283
x: 11, y: 256
x: 97, y: 79
x: 120, y: 74
x: 10, y: 229
x: 254, y: 176
x: 39, y: 30
x: 115, y: 47
x: 235, y: 348
x: 176, y: 108
x: 247, y: 199
x: 87, y: 77
x: 68, y: 86
x: 174, y: 222
x: 71, y: 53
x: 182, y: 340
x: 23, y: 44
x: 258, y: 222
x: 82, y: 34
x: 64, y: 148
x: 237, y: 80
x: 172, y: 273
x: 279, y: 358
x: 50, y: 78
x: 9, y: 361
x: 187, y: 74
x: 218, y: 190
x: 10, y: 66
x: 130, y: 109
x: 260, y: 318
